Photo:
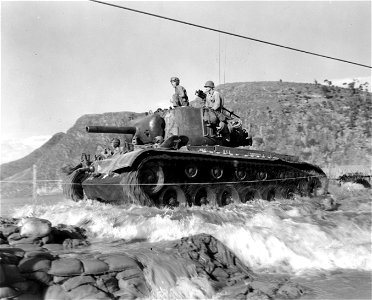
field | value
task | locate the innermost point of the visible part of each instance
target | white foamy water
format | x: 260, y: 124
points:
x: 328, y: 252
x: 288, y: 236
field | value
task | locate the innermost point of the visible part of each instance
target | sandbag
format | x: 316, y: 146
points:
x: 76, y: 281
x: 119, y: 262
x: 94, y: 266
x: 66, y: 267
x: 33, y: 264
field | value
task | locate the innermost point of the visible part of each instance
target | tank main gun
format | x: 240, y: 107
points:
x: 111, y: 129
x: 144, y: 130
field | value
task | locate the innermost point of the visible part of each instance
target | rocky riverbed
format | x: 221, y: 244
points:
x: 41, y: 261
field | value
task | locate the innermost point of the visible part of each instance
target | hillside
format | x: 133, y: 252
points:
x: 322, y: 124
x: 19, y: 165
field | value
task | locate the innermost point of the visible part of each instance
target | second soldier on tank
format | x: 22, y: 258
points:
x: 179, y: 97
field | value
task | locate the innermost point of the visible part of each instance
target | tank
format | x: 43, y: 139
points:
x: 184, y: 157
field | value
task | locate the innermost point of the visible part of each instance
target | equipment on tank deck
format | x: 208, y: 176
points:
x: 177, y: 158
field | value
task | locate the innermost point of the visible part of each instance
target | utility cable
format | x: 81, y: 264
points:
x: 230, y: 33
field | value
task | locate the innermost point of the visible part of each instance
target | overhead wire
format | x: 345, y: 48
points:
x: 230, y: 33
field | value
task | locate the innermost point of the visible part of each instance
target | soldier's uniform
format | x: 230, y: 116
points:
x: 180, y: 98
x: 214, y: 101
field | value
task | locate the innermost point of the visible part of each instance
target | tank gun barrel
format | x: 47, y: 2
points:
x: 111, y: 129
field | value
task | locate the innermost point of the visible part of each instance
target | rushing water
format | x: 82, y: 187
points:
x: 327, y: 251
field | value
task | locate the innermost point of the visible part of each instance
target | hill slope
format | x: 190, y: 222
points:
x: 324, y: 125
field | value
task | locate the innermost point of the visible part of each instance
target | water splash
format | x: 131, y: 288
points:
x: 286, y: 236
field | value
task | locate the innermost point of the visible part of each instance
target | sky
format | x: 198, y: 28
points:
x: 61, y: 60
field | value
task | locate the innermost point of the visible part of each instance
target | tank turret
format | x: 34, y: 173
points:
x: 182, y: 121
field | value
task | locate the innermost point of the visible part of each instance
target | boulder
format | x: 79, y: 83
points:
x: 34, y: 227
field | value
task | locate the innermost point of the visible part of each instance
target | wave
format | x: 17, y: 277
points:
x: 286, y: 236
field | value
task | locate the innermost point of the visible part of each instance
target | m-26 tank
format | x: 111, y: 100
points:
x: 179, y: 158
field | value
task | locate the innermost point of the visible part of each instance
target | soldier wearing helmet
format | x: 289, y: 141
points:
x: 214, y: 98
x: 214, y: 103
x: 179, y: 98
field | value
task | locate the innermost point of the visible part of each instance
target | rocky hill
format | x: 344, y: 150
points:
x: 322, y: 124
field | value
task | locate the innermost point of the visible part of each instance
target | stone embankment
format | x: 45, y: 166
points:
x: 39, y: 261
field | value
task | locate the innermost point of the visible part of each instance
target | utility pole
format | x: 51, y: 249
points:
x: 219, y: 58
x: 34, y: 183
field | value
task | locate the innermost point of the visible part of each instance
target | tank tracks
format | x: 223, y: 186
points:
x: 185, y: 180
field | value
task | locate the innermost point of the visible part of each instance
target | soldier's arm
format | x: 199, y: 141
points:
x: 217, y: 101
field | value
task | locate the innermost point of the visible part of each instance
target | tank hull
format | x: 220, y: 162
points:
x: 197, y: 175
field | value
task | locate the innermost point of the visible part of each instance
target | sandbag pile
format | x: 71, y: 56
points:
x: 38, y: 261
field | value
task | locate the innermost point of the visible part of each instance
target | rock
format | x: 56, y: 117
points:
x: 10, y: 274
x: 33, y: 264
x: 74, y: 243
x: 54, y: 292
x: 62, y: 232
x: 87, y: 291
x: 14, y: 251
x: 290, y: 290
x: 7, y: 292
x: 119, y: 262
x: 7, y: 230
x: 94, y: 266
x: 135, y: 286
x: 29, y: 247
x: 25, y: 286
x: 129, y: 274
x: 14, y: 237
x: 8, y: 258
x: 76, y: 281
x: 53, y: 247
x: 39, y: 253
x: 268, y: 288
x: 34, y: 227
x: 40, y: 276
x: 108, y: 283
x: 59, y: 279
x: 220, y: 274
x: 66, y: 267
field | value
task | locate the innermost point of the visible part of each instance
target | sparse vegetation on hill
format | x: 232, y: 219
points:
x: 322, y: 124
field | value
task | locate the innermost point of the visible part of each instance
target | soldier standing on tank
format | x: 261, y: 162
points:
x: 179, y: 98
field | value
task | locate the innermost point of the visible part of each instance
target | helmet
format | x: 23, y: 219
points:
x: 176, y: 79
x: 209, y: 84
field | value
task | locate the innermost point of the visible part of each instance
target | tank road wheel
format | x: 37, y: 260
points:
x: 72, y: 188
x: 261, y: 175
x: 286, y: 192
x: 241, y: 174
x: 173, y: 196
x: 227, y: 195
x: 216, y: 172
x: 248, y: 193
x: 303, y: 187
x: 268, y: 192
x: 151, y: 178
x: 133, y: 191
x: 191, y: 171
x: 202, y: 195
